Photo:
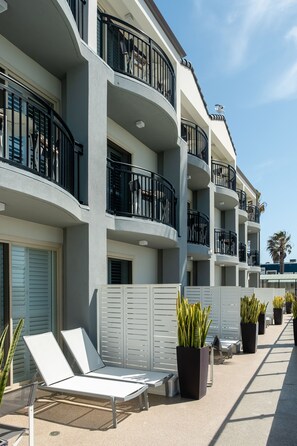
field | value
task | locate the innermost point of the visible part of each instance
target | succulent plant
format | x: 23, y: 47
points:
x: 5, y: 361
x: 263, y: 307
x: 193, y: 323
x: 249, y: 309
x: 278, y: 302
x: 289, y: 297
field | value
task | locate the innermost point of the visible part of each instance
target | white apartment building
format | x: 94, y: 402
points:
x: 112, y: 170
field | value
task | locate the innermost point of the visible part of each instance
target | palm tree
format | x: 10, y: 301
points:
x: 278, y: 246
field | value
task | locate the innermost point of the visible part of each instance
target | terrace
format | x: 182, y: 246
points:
x: 257, y: 408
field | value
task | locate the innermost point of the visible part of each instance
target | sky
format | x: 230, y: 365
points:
x: 244, y: 53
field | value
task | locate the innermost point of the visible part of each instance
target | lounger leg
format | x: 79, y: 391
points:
x: 31, y: 425
x: 146, y: 402
x: 114, y: 413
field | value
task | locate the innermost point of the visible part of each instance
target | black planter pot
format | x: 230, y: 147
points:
x: 288, y: 307
x: 261, y: 323
x: 295, y: 330
x: 249, y: 337
x: 278, y: 316
x: 192, y: 366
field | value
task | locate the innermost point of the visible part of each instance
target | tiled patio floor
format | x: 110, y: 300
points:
x: 253, y: 401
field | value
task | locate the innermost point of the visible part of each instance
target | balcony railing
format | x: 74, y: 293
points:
x: 136, y: 192
x: 254, y: 258
x: 198, y: 228
x: 242, y: 252
x: 225, y: 242
x: 78, y: 8
x: 223, y: 174
x: 128, y: 50
x: 253, y: 213
x: 34, y: 137
x: 196, y: 139
x: 242, y: 199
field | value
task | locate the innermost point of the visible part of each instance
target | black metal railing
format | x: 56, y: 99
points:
x: 34, y: 137
x: 128, y: 50
x: 136, y: 192
x: 242, y: 199
x: 196, y: 139
x: 223, y: 174
x: 242, y: 252
x: 78, y: 8
x: 198, y: 228
x: 225, y: 242
x: 254, y: 258
x: 253, y: 213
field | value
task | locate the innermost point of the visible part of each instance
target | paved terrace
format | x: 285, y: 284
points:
x: 253, y: 401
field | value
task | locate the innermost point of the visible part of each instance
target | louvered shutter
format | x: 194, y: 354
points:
x: 32, y: 298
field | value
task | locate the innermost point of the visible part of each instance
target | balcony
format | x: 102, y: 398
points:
x: 78, y: 8
x: 198, y: 228
x: 254, y: 258
x: 196, y: 139
x: 242, y: 252
x: 224, y: 177
x: 253, y: 213
x: 129, y: 51
x: 139, y: 193
x: 225, y: 242
x: 242, y: 199
x: 46, y: 31
x: 34, y: 138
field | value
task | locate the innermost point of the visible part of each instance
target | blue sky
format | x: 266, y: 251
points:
x: 244, y: 53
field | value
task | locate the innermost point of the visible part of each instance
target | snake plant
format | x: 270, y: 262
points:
x: 263, y: 307
x: 278, y: 302
x: 5, y: 360
x: 249, y: 309
x: 294, y: 309
x: 289, y: 297
x: 193, y: 323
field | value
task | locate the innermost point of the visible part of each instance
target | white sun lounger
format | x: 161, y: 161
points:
x: 58, y: 376
x: 90, y: 363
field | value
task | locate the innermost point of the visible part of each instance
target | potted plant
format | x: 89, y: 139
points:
x: 278, y: 303
x: 192, y: 354
x: 289, y: 298
x: 294, y: 310
x: 262, y: 317
x: 249, y: 313
x: 5, y: 361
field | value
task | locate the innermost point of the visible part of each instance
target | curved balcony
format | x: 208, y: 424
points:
x: 253, y: 213
x: 129, y: 51
x: 34, y: 137
x: 242, y: 199
x: 224, y: 177
x: 47, y: 32
x: 196, y: 139
x: 225, y: 242
x: 254, y: 258
x: 78, y: 8
x: 242, y: 252
x: 136, y: 192
x: 198, y: 228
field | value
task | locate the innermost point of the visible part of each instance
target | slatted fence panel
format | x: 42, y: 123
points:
x: 230, y: 313
x: 164, y: 327
x: 111, y: 333
x: 137, y: 326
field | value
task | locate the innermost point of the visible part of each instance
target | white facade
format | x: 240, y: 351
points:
x: 112, y: 170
